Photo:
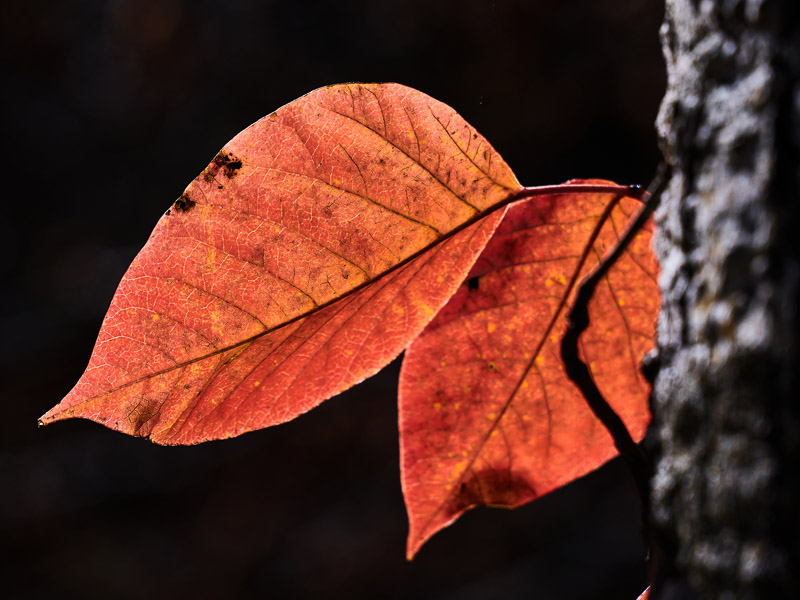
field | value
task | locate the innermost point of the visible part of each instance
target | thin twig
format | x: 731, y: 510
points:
x: 578, y: 322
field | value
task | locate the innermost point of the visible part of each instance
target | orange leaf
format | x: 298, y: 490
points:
x: 487, y: 414
x: 308, y: 254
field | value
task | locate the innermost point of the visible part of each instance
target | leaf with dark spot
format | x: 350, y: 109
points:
x: 305, y: 275
x: 527, y: 418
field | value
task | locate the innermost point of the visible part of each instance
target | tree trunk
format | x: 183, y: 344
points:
x: 725, y: 507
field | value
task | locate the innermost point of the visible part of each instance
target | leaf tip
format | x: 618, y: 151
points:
x: 412, y: 547
x: 46, y: 418
x: 56, y: 413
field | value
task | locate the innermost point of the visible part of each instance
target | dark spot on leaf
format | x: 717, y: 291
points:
x: 208, y: 176
x: 473, y: 283
x: 492, y: 367
x: 184, y: 203
x: 228, y: 163
x: 169, y: 210
x: 474, y: 136
x: 219, y: 187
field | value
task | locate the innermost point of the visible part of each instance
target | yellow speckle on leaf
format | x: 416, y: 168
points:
x: 437, y: 405
x: 490, y: 327
x: 155, y: 317
x: 540, y: 360
x: 491, y: 416
x: 548, y: 283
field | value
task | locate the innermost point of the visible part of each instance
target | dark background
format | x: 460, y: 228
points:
x: 109, y: 109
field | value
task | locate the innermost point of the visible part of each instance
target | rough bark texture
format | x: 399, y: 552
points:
x: 726, y: 436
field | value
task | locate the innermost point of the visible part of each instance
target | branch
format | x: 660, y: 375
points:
x: 578, y: 322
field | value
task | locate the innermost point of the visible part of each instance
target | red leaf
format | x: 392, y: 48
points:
x: 308, y: 254
x: 487, y: 414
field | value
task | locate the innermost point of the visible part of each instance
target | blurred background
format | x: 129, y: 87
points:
x: 109, y: 109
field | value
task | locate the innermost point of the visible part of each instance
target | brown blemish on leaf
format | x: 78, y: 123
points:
x: 141, y: 415
x: 184, y: 203
x: 228, y: 163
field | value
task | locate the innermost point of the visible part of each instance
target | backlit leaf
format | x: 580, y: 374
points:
x: 307, y: 255
x: 487, y: 414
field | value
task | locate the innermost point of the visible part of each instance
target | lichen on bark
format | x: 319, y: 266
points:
x: 726, y: 432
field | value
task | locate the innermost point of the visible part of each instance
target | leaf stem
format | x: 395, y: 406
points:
x: 578, y: 321
x: 630, y: 191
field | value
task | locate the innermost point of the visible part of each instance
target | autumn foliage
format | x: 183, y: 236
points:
x: 352, y: 224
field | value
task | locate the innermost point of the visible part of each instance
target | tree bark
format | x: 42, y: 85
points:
x: 725, y: 507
